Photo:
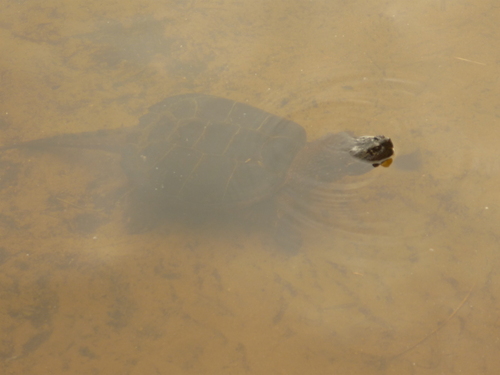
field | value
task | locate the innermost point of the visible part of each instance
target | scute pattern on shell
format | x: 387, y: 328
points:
x: 203, y: 150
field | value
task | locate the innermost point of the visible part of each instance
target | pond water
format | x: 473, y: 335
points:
x: 398, y: 271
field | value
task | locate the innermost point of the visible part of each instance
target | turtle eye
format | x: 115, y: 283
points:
x: 375, y: 150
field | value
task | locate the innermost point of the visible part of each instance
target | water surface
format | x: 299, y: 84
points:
x: 399, y: 276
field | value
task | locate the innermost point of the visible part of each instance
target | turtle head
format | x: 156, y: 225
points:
x: 336, y: 155
x: 375, y: 150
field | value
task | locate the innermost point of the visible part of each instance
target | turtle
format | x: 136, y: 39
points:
x: 202, y: 155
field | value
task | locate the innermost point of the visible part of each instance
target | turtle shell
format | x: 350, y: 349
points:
x: 201, y: 150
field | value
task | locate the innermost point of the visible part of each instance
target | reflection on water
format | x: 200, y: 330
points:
x: 397, y: 272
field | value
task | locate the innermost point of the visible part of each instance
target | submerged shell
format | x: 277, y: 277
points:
x: 202, y: 150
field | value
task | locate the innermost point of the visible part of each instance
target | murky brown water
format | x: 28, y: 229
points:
x: 401, y: 279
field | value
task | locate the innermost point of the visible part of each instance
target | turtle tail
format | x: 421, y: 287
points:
x: 113, y: 140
